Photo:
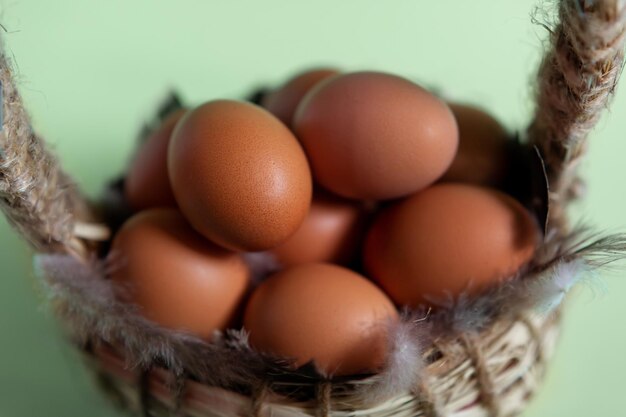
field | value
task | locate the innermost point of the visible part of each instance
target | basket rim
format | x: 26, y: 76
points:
x: 517, y: 355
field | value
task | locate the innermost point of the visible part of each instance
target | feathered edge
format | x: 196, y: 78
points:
x: 85, y: 301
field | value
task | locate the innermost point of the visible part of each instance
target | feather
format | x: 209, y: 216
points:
x: 404, y: 366
x: 88, y: 303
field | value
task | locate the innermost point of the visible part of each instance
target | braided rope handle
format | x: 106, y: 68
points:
x: 576, y: 80
x: 39, y: 199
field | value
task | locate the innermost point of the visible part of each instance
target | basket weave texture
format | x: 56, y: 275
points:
x: 491, y: 372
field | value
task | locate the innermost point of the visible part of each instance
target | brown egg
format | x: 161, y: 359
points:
x: 239, y: 175
x: 178, y: 279
x: 448, y: 239
x: 482, y: 157
x: 283, y: 101
x: 147, y: 183
x: 321, y: 312
x: 371, y: 135
x: 330, y: 233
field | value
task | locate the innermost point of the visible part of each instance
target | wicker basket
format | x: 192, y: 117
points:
x: 491, y: 374
x: 487, y: 370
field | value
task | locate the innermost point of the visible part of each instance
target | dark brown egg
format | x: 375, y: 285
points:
x: 330, y: 233
x: 483, y: 156
x: 283, y: 101
x: 446, y: 240
x: 372, y: 135
x: 147, y: 183
x: 177, y: 278
x: 324, y: 313
x: 239, y: 175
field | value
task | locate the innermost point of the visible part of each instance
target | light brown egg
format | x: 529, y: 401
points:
x: 147, y: 183
x: 239, y: 175
x: 330, y: 233
x: 371, y: 135
x: 448, y: 239
x: 283, y: 101
x: 177, y: 278
x: 483, y: 156
x: 321, y: 312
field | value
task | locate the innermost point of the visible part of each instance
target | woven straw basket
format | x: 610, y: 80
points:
x: 490, y: 368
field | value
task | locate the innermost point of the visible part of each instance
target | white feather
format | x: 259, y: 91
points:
x: 548, y: 290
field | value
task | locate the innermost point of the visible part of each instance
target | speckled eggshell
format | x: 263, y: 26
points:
x: 147, y: 183
x: 371, y: 135
x: 283, y: 101
x: 239, y: 175
x: 321, y: 312
x: 178, y: 279
x: 483, y: 155
x: 330, y: 232
x: 446, y: 240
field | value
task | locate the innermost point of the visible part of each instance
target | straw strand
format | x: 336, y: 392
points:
x: 258, y: 400
x: 324, y: 391
x: 428, y: 400
x: 483, y: 377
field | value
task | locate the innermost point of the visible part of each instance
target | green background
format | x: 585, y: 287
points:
x: 92, y: 71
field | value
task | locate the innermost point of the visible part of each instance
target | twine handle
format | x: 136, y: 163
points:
x: 38, y: 198
x: 576, y: 81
